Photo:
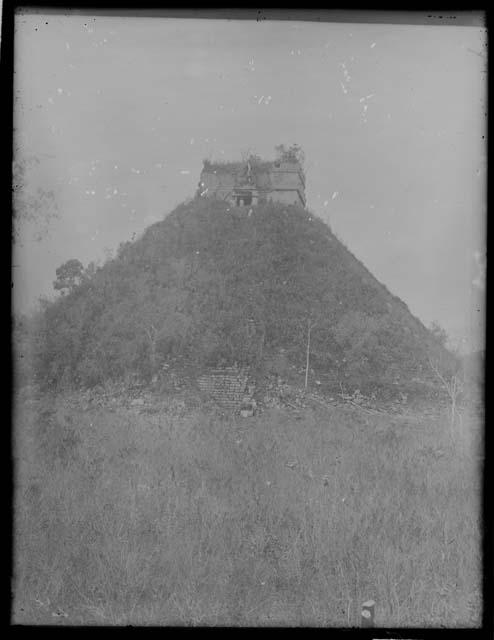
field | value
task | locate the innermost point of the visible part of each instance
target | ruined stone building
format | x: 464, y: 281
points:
x: 255, y: 181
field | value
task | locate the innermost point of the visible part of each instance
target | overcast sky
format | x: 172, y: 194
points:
x: 121, y: 111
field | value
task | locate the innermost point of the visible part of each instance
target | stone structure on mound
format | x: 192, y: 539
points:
x: 256, y: 181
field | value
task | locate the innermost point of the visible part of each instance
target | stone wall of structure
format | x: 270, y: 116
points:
x: 227, y: 386
x: 282, y: 179
x: 285, y: 197
x: 216, y: 185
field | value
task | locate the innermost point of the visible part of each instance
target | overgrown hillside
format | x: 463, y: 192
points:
x: 218, y: 284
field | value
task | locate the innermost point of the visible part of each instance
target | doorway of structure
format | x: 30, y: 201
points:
x: 243, y: 201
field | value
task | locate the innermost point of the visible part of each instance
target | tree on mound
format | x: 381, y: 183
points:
x: 212, y: 283
x: 69, y: 275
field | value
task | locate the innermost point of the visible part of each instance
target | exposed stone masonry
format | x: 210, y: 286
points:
x: 228, y: 386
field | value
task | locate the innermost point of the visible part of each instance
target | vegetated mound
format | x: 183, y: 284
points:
x: 213, y: 284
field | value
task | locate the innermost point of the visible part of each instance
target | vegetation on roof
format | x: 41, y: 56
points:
x: 222, y: 166
x: 290, y: 154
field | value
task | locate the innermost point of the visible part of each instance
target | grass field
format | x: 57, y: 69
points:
x: 189, y: 517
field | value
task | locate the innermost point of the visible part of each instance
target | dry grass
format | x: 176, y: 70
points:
x: 186, y: 517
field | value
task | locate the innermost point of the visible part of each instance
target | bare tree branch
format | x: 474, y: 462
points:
x: 453, y: 386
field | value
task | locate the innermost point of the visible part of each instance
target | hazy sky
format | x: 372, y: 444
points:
x: 121, y: 111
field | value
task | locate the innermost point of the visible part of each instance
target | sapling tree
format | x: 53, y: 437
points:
x: 152, y: 334
x: 310, y: 325
x: 452, y: 384
x: 316, y: 318
x: 314, y: 307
